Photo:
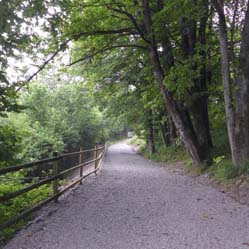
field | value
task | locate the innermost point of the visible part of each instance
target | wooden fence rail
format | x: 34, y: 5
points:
x: 99, y: 152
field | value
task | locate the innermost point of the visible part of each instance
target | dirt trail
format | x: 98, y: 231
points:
x: 135, y: 204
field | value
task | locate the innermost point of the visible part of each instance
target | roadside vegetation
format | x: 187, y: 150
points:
x: 55, y: 117
x: 222, y: 169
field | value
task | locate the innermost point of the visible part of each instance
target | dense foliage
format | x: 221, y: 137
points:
x: 57, y: 116
x: 179, y: 53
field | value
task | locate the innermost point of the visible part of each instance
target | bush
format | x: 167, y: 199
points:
x: 139, y: 141
x: 223, y: 169
x: 12, y: 182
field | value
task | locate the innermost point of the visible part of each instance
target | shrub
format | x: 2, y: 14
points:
x: 12, y: 182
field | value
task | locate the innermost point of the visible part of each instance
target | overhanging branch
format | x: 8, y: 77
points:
x: 124, y: 31
x: 100, y: 51
x: 41, y: 67
x: 132, y: 19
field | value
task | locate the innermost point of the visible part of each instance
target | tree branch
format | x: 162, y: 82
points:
x: 218, y: 5
x: 41, y: 67
x: 104, y: 49
x: 128, y: 31
x: 124, y: 31
x: 133, y: 20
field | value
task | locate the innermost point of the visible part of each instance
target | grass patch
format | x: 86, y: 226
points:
x: 12, y: 182
x: 163, y: 154
x: 223, y: 170
x: 194, y: 170
x: 168, y: 154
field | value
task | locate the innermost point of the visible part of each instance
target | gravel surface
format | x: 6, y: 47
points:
x: 135, y: 204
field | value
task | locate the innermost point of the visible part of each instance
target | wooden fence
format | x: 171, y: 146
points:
x: 98, y: 152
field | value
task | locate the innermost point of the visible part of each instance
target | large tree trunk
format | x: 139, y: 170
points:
x: 199, y: 105
x: 242, y: 98
x: 237, y: 122
x: 184, y: 127
x: 199, y: 96
x: 186, y: 132
x: 203, y: 81
x: 225, y: 70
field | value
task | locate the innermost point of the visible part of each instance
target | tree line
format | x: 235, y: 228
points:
x: 174, y: 68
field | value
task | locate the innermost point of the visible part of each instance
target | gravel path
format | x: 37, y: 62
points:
x: 136, y: 204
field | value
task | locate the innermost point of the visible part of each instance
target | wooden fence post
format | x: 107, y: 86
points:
x: 95, y: 157
x: 80, y: 162
x: 55, y: 183
x: 99, y: 153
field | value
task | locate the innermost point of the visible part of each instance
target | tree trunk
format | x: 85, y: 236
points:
x: 164, y: 130
x: 242, y: 98
x: 203, y: 81
x: 150, y: 133
x: 198, y: 106
x: 173, y: 134
x: 239, y: 134
x: 186, y: 133
x: 164, y: 135
x: 200, y: 100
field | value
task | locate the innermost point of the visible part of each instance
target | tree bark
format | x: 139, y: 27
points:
x: 150, y: 133
x: 237, y: 132
x: 173, y: 134
x: 242, y: 98
x: 203, y: 81
x: 165, y: 132
x: 186, y: 133
x: 199, y: 105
